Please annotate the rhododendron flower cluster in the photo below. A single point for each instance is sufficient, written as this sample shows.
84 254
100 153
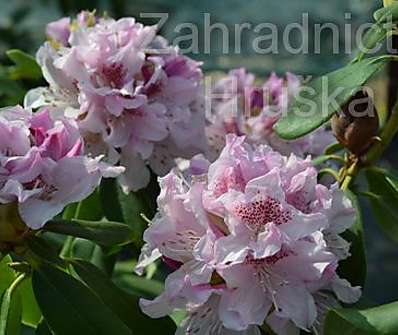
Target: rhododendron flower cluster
135 98
253 239
42 165
240 106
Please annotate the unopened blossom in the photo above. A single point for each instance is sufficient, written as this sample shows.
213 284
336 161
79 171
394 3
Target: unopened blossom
135 98
252 239
42 165
241 106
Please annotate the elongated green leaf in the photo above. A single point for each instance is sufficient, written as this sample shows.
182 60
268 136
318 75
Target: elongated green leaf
31 314
11 310
90 208
333 148
383 197
354 268
380 320
101 232
110 200
124 305
82 249
70 211
25 67
139 286
317 103
129 207
102 257
43 251
67 305
132 207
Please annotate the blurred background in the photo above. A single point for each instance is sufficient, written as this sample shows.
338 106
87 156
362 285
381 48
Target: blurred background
22 26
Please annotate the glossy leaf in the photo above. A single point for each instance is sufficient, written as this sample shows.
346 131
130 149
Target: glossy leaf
31 314
102 257
90 208
102 232
128 208
42 251
354 268
381 320
124 305
82 310
383 196
110 200
312 107
25 67
139 286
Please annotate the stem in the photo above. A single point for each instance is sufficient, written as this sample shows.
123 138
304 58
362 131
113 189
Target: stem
67 247
17 282
65 251
349 176
387 135
329 171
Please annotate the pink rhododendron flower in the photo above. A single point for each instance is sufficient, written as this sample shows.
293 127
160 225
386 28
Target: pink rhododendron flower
135 98
42 165
253 239
240 106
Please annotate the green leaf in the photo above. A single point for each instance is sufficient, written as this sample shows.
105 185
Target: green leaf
354 268
123 305
31 313
67 305
82 249
110 200
319 160
333 148
383 196
102 257
139 286
25 67
380 320
312 107
11 309
128 208
90 208
102 232
42 251
70 211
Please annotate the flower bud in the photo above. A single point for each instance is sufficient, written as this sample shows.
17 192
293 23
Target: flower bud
12 227
357 124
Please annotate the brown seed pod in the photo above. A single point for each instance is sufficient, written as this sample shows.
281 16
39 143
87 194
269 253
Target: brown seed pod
356 125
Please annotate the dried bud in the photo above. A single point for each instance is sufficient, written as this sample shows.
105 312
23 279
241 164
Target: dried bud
356 124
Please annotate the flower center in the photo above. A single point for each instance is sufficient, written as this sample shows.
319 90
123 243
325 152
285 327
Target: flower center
47 190
257 214
114 74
